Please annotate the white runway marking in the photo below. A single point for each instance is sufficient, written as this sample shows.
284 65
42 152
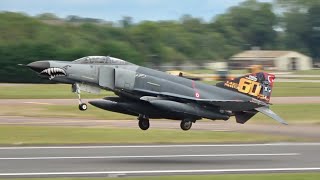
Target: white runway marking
163 171
39 103
160 146
151 156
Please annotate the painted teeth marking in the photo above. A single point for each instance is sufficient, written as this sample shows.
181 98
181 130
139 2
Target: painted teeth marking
53 72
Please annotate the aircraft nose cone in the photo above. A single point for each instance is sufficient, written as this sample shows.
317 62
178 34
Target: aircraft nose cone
39 66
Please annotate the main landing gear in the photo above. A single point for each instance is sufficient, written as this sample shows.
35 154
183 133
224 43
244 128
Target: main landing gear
144 123
76 89
186 124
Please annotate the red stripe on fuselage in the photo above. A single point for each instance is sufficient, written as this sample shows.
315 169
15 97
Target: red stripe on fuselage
196 93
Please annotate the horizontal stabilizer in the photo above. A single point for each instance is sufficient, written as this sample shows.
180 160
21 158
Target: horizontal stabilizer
266 111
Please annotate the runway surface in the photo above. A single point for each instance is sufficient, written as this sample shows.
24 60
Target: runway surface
142 160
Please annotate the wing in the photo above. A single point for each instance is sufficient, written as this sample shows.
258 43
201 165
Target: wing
173 95
238 106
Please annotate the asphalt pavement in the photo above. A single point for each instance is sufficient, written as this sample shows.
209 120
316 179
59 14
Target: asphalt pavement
146 160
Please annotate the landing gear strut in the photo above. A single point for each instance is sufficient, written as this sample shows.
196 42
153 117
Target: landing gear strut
76 89
144 123
186 125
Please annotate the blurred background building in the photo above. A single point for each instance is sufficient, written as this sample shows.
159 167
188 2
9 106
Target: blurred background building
272 60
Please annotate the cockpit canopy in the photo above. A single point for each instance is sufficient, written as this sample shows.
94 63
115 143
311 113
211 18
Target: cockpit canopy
101 60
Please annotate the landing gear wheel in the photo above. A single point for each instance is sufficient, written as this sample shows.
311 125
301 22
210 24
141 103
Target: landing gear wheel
144 124
83 106
76 89
186 125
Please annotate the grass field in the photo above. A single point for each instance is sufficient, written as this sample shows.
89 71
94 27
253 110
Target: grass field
67 111
280 176
62 91
287 89
293 113
301 113
43 91
245 71
308 72
26 135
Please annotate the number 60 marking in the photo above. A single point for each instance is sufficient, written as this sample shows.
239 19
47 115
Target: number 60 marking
249 87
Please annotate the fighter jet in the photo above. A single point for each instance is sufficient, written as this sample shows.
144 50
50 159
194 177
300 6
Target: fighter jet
151 94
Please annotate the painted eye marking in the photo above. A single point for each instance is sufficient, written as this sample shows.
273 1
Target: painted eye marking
53 72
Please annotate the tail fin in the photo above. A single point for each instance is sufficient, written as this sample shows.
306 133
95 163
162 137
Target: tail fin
257 85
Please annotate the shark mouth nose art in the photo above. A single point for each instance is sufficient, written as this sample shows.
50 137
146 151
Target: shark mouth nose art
53 72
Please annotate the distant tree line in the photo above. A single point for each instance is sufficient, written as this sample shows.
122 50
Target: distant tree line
283 25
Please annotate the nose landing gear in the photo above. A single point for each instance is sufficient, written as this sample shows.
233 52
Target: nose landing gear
76 89
83 107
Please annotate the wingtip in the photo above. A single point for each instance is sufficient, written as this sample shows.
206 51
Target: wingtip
268 112
280 120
